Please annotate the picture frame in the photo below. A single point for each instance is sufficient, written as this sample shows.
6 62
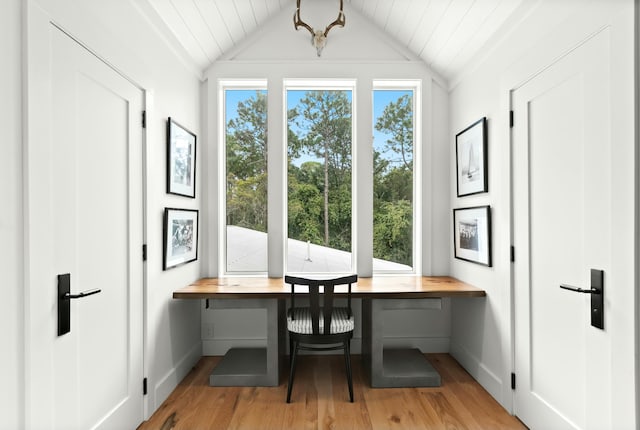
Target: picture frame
180 237
181 160
472 234
471 159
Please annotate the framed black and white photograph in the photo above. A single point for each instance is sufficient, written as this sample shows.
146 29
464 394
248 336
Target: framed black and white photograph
472 234
471 159
180 237
181 160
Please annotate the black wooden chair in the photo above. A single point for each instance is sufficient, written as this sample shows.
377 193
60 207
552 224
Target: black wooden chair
320 326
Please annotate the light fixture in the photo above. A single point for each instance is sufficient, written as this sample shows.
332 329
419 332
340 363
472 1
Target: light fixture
318 37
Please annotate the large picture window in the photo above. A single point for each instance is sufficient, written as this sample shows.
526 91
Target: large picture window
319 180
245 168
334 202
393 180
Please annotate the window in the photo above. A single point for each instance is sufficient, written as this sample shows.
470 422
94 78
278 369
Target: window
393 180
245 174
335 203
319 180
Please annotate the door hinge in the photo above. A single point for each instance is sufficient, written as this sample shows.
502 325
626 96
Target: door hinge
144 387
513 381
513 254
144 119
144 252
510 119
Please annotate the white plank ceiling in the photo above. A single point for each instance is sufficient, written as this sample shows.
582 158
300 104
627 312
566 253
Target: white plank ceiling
445 34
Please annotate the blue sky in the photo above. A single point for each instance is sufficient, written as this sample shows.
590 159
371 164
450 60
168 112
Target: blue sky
381 98
232 97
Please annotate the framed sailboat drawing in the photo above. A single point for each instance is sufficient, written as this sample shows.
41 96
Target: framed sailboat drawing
471 159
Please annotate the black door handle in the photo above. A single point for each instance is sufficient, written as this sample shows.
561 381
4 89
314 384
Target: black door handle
81 295
580 290
597 297
64 302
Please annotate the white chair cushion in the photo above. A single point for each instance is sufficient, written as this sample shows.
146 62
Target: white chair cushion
301 322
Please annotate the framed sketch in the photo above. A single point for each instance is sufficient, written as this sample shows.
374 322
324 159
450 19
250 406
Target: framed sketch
181 160
180 237
471 159
472 234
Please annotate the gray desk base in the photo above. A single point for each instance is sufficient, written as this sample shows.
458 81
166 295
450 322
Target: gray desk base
388 367
253 367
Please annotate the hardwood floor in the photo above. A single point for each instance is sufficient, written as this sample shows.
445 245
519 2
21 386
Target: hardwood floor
320 400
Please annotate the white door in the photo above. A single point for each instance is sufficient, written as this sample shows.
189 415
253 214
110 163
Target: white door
91 227
562 229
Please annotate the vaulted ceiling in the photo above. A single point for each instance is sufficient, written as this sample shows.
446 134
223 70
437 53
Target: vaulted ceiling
445 34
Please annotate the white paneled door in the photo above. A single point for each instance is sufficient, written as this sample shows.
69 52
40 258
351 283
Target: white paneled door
562 230
90 226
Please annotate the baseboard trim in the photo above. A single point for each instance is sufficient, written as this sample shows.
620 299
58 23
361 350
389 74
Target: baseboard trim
170 381
480 372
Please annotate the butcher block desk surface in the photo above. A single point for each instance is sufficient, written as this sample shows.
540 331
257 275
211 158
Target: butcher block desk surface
379 287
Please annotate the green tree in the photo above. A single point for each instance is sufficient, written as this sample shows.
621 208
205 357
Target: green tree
324 117
392 229
305 209
246 158
393 183
397 121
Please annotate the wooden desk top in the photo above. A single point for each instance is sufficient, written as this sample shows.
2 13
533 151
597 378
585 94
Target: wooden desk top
401 287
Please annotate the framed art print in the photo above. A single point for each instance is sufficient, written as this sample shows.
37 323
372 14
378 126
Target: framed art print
472 234
181 160
180 237
471 159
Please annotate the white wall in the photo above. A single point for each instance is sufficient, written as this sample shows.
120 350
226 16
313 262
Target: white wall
123 37
362 52
11 228
482 330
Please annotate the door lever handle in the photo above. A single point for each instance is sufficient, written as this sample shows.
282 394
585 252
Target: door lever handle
597 297
82 294
64 302
580 290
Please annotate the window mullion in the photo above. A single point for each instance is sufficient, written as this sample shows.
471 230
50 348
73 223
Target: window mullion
277 185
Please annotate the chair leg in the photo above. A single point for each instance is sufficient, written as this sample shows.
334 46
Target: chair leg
347 360
292 370
290 350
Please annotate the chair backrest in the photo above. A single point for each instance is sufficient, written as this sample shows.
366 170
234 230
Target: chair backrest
314 297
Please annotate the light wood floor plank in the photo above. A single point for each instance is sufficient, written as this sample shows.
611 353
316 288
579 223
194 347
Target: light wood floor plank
320 400
467 390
